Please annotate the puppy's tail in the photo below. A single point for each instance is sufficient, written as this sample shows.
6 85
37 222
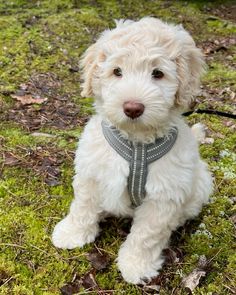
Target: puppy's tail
199 132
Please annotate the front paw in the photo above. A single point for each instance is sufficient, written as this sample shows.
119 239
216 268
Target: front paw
69 235
137 268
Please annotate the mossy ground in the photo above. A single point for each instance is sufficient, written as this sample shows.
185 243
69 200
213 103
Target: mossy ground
38 37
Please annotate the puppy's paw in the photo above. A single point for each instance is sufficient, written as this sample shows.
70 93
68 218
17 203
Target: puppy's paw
68 235
137 269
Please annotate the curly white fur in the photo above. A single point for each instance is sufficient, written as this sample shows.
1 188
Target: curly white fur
179 183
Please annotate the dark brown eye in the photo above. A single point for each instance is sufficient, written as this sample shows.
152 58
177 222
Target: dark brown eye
157 74
117 72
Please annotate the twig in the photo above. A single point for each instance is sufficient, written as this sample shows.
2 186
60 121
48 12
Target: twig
57 255
39 249
233 290
214 256
103 250
40 207
12 245
8 280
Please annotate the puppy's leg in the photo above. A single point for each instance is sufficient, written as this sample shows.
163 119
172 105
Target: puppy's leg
140 255
202 188
80 226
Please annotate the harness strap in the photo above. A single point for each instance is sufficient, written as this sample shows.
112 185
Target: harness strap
138 155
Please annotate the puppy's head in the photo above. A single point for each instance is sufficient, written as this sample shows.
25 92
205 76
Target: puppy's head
141 71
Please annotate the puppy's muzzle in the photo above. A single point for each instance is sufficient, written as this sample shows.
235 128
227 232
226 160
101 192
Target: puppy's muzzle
133 109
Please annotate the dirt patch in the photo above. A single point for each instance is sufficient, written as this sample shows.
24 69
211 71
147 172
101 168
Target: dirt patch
226 11
44 161
39 103
217 45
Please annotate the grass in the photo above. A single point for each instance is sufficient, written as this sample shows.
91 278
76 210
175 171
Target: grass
48 37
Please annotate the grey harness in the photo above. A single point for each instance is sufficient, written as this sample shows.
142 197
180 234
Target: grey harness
138 155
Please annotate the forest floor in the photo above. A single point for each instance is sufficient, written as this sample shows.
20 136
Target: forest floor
41 118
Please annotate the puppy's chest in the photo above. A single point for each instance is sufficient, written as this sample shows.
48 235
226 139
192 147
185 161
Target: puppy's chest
139 155
116 176
162 175
119 179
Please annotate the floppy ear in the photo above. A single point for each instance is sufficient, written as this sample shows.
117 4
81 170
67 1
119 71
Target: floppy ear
89 66
190 67
95 55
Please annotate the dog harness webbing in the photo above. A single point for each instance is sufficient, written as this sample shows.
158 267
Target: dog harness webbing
139 155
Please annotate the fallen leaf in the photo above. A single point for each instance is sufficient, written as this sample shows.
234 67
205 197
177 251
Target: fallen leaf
29 99
98 260
153 286
10 159
70 288
172 255
192 280
89 282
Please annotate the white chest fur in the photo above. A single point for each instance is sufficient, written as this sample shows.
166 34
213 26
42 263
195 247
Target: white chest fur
96 160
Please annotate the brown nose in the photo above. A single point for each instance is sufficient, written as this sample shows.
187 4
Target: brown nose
133 109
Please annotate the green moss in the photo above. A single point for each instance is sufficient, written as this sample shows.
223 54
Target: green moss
15 136
219 73
220 26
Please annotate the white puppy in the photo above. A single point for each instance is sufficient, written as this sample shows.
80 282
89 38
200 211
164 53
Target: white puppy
142 75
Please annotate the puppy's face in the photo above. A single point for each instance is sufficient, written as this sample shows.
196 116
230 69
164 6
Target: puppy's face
137 86
141 71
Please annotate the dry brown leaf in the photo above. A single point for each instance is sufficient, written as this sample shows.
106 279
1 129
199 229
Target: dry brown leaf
89 282
29 99
70 288
98 260
192 280
172 255
10 159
